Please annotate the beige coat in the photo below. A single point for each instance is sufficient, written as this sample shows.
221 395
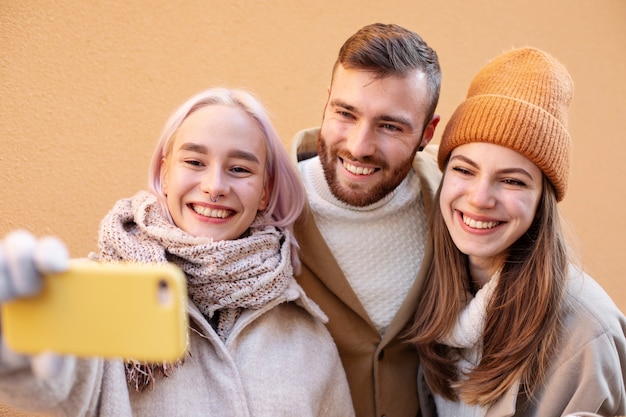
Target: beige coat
588 372
382 372
278 361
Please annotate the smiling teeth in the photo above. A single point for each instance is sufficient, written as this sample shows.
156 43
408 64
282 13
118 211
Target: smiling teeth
357 170
207 212
474 224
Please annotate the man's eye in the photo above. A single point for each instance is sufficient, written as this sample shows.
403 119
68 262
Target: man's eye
345 114
390 127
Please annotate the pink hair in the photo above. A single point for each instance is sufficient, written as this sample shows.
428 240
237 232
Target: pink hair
287 195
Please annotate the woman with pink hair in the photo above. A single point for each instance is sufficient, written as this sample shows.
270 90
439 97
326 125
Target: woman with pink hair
223 197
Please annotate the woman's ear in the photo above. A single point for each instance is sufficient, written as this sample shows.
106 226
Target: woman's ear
265 196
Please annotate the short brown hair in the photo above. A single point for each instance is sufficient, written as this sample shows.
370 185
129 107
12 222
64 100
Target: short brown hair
389 49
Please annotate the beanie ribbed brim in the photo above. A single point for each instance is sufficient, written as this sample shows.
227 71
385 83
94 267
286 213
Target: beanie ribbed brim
516 124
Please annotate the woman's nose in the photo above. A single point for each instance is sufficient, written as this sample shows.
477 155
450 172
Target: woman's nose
214 183
481 194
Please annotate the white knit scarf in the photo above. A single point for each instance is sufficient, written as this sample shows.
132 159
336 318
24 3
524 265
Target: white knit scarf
229 275
467 335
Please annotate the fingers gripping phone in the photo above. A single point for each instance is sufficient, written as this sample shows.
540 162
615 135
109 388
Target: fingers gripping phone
110 310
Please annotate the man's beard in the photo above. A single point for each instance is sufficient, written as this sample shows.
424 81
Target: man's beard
355 195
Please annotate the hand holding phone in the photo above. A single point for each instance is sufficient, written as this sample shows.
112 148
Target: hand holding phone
126 310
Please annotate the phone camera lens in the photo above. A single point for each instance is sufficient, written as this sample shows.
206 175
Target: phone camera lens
164 294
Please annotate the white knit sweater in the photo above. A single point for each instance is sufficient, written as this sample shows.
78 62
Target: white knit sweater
379 247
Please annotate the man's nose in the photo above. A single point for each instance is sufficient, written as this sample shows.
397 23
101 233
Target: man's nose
361 141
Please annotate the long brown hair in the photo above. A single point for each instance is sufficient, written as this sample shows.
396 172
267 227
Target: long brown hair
523 320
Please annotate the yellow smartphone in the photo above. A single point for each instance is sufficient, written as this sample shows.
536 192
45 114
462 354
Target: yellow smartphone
112 310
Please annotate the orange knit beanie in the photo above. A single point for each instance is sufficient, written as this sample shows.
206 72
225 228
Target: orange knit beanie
519 100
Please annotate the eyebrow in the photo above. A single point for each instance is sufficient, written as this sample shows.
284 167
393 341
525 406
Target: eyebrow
502 171
248 156
193 147
382 118
237 153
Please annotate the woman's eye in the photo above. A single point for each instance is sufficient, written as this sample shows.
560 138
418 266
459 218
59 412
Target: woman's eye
513 181
240 170
193 162
461 170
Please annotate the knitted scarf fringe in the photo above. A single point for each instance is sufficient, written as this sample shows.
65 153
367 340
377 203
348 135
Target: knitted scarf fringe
141 376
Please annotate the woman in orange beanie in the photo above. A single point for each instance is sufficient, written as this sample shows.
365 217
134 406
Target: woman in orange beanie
506 324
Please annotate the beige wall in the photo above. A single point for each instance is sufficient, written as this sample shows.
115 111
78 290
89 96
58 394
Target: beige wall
86 87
